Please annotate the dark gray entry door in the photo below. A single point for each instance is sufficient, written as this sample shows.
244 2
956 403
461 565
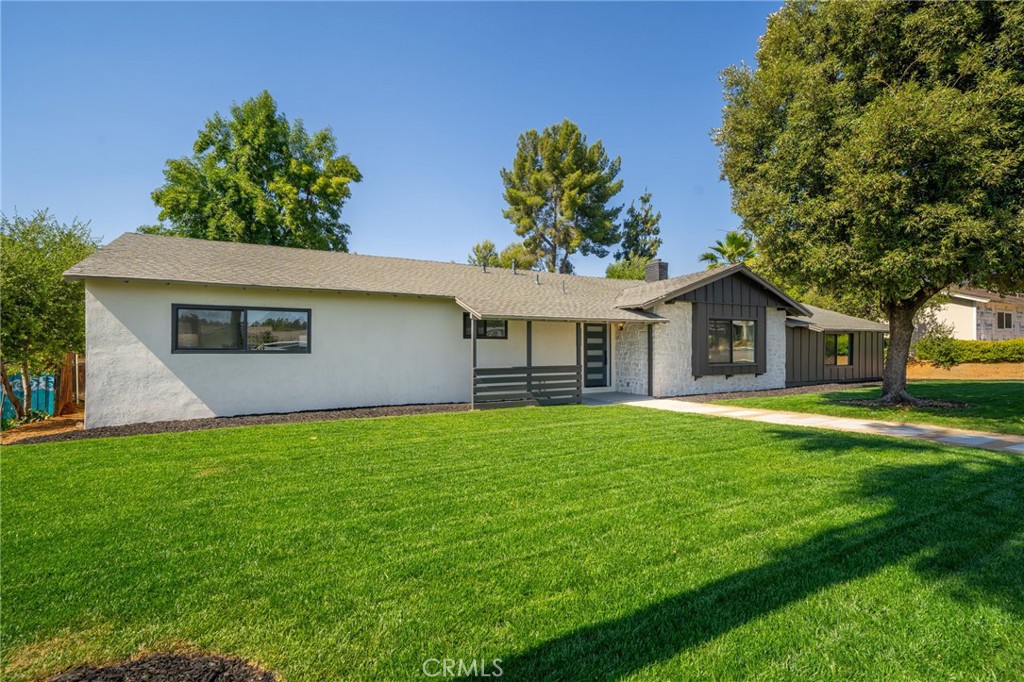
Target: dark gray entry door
595 355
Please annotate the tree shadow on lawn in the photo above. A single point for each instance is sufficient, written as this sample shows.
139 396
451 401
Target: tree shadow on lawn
994 405
958 521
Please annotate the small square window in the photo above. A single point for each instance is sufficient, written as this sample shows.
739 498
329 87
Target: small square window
731 341
485 329
1004 320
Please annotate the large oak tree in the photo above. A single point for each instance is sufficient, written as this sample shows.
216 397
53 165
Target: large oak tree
254 177
878 148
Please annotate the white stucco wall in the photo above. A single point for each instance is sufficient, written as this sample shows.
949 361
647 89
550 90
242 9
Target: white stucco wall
673 356
365 350
961 316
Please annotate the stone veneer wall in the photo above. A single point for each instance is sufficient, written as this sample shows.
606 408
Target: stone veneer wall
631 358
673 356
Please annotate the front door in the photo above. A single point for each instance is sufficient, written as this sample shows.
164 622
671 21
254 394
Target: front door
595 355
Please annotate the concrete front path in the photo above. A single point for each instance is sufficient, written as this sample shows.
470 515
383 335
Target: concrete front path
936 434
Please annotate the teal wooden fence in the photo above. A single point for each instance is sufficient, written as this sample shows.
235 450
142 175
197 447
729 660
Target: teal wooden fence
43 394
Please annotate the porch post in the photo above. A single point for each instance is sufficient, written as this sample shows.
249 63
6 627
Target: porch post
650 360
579 361
529 343
529 356
472 373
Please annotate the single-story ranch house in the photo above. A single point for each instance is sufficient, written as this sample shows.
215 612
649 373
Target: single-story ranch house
183 328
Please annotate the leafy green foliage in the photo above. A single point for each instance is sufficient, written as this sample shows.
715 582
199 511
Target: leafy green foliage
43 314
31 415
738 247
256 178
877 148
640 232
946 352
630 268
558 192
517 253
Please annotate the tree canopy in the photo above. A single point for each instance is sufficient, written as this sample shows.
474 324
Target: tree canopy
517 253
640 231
629 268
878 148
256 178
737 247
43 314
559 191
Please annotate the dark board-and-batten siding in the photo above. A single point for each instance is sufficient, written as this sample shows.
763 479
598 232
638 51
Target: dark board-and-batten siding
735 297
805 358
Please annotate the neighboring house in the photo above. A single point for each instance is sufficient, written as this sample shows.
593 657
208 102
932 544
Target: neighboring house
980 315
182 328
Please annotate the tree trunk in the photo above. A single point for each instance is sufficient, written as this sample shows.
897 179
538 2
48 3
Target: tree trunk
901 329
16 403
26 386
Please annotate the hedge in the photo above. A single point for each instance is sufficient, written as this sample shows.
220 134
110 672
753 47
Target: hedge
949 352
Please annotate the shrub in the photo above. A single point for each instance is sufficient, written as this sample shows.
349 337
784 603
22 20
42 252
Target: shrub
31 416
946 352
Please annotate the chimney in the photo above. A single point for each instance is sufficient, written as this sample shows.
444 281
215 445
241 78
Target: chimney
656 270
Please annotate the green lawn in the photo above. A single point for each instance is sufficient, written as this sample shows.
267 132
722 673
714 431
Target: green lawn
996 406
572 543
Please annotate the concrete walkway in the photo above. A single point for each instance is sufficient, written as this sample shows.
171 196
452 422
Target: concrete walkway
977 439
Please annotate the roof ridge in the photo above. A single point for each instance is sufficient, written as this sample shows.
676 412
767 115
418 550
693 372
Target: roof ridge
298 249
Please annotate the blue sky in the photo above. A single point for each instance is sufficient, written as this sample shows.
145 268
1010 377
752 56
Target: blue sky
427 99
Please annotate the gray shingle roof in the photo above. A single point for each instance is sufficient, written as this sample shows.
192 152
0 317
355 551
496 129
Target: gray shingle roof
831 321
650 293
987 295
496 294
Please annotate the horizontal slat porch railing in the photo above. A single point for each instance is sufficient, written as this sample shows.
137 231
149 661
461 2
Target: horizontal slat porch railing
520 386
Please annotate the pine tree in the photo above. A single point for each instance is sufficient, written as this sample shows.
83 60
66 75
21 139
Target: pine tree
558 192
640 231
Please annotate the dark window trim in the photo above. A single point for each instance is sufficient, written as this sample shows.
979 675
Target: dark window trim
849 350
731 361
467 333
244 309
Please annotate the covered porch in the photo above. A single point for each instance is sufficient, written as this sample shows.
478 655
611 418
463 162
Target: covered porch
521 362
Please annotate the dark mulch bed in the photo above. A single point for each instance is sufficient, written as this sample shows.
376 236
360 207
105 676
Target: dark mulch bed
796 390
169 668
247 420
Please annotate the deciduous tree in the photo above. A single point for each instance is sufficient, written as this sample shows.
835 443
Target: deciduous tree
878 148
256 178
516 253
630 268
43 315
